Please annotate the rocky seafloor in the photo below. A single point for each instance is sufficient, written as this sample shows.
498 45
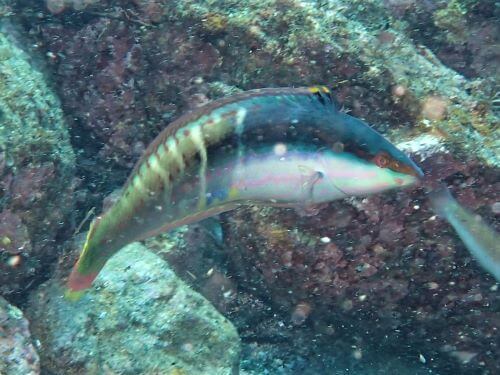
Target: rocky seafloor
367 286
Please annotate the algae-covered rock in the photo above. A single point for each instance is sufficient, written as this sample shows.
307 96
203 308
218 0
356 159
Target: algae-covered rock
36 169
17 354
138 319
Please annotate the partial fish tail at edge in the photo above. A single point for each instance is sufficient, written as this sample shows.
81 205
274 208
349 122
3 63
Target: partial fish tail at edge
482 241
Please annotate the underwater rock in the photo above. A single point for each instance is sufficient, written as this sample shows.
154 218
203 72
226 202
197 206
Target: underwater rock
196 254
17 354
463 34
139 318
36 170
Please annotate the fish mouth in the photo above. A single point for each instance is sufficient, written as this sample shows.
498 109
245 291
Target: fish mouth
417 173
409 168
410 174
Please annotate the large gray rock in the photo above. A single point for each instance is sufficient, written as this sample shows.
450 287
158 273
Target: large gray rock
139 318
36 168
17 354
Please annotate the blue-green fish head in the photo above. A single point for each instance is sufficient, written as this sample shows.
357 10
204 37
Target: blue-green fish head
365 162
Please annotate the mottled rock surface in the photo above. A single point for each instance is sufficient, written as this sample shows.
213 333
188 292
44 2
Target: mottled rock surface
17 354
464 34
139 318
36 169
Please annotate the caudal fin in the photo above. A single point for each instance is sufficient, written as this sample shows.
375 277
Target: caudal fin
85 269
78 281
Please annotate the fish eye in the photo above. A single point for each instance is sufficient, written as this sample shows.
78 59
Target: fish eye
382 160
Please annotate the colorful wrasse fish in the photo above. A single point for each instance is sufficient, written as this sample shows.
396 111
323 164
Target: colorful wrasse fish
288 147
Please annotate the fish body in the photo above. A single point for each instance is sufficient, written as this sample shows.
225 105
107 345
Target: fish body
288 147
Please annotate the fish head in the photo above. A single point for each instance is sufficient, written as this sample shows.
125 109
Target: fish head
367 163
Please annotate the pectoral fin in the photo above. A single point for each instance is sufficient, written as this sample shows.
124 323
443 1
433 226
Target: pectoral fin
310 177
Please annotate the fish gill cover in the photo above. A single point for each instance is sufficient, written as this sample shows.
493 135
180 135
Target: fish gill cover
374 285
